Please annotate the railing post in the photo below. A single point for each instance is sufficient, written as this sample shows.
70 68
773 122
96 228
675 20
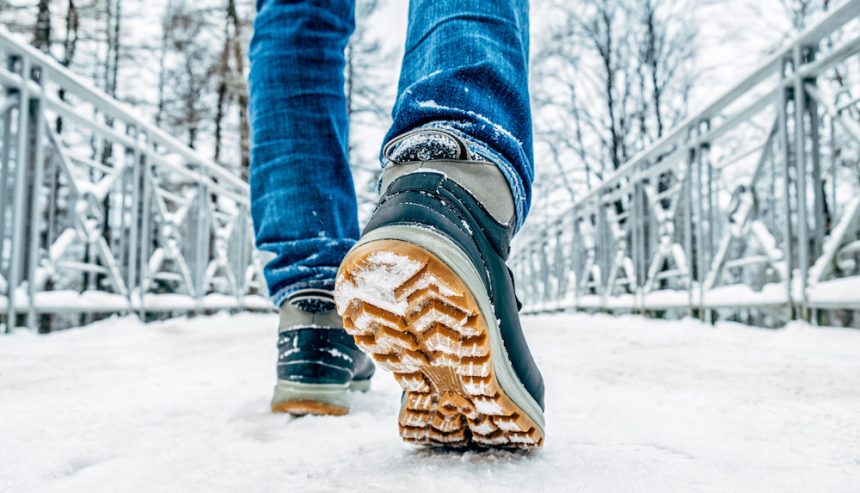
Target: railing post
37 130
577 247
242 259
544 270
5 164
785 99
537 295
687 191
204 238
134 231
636 227
561 265
601 249
821 229
529 283
19 199
800 99
713 226
145 225
702 260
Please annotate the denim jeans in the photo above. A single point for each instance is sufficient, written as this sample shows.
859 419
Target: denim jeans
464 68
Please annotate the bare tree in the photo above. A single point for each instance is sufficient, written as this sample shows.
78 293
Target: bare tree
800 12
70 42
162 62
666 54
113 20
231 86
42 30
611 77
188 71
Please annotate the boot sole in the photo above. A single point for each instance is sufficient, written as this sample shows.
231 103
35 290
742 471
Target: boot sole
300 399
417 318
303 408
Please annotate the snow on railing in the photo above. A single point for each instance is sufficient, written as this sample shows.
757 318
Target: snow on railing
749 203
103 212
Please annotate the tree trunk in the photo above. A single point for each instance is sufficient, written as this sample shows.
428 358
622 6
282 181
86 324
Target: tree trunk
241 87
223 75
42 30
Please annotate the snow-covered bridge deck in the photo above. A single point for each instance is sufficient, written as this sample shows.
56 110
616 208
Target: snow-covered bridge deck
633 404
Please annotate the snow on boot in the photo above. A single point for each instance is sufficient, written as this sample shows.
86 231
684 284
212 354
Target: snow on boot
427 293
318 362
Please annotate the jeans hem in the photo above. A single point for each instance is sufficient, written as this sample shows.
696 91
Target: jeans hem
282 294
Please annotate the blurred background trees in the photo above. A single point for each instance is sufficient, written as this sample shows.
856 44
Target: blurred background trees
608 77
611 76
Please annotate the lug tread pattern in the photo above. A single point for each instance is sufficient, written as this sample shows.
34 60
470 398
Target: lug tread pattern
432 336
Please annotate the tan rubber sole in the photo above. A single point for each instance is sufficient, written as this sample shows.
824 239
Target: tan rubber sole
301 408
417 318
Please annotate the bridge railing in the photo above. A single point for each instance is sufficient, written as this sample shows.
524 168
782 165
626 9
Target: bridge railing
103 212
754 202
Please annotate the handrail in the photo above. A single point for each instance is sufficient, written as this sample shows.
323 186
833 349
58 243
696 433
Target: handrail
678 228
109 213
70 80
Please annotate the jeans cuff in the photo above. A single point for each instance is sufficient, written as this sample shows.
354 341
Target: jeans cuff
282 294
479 147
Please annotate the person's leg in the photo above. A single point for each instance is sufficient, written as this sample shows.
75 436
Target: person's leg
426 290
466 68
302 196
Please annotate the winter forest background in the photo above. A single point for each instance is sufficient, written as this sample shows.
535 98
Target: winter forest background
607 76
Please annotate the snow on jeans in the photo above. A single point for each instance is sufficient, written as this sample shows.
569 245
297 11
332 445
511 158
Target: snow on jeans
464 68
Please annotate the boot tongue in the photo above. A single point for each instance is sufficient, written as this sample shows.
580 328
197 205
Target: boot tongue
312 301
426 146
311 305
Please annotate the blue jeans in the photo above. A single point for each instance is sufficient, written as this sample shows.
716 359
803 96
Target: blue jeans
464 68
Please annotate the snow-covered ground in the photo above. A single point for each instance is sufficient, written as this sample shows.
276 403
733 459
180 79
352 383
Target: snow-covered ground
632 405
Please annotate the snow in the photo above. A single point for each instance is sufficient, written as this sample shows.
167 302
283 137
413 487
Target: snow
377 285
835 241
835 293
632 404
737 295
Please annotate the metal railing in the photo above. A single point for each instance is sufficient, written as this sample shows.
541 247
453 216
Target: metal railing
102 212
754 202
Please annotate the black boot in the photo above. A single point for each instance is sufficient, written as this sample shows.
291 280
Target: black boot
318 362
427 293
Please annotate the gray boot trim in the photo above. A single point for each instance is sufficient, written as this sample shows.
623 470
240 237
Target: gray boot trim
484 180
292 317
331 394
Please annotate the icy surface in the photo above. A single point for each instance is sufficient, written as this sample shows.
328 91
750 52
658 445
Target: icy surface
631 405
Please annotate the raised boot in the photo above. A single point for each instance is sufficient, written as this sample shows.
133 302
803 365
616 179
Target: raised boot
427 294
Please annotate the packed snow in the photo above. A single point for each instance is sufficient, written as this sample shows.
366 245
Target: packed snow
378 284
632 404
